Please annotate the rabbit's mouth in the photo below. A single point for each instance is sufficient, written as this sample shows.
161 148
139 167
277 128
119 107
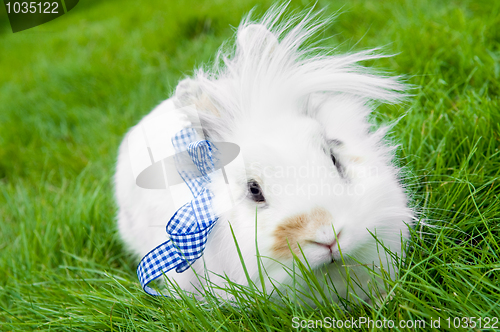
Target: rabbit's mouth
332 245
327 252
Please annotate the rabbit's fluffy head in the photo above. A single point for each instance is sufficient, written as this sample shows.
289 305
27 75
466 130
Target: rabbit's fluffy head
318 178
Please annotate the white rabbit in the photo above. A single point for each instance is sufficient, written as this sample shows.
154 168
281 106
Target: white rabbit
316 180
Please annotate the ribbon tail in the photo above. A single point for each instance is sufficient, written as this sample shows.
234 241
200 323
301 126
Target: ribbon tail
158 261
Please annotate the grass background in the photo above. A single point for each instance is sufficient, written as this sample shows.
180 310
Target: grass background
70 89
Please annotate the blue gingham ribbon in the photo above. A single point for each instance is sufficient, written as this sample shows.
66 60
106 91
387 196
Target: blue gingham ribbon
190 225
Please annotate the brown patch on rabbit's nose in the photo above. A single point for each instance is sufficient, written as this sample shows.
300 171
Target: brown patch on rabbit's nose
298 229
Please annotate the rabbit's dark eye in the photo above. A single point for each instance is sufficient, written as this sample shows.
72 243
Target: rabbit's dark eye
334 160
337 164
255 192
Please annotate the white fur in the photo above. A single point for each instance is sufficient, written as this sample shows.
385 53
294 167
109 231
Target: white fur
281 103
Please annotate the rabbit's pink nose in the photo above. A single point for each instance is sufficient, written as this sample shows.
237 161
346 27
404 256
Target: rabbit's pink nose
329 245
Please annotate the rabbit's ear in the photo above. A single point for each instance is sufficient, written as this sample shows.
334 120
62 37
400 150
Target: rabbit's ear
256 38
205 113
312 103
188 92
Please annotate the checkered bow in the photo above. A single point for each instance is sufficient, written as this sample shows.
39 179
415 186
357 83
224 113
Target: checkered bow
190 225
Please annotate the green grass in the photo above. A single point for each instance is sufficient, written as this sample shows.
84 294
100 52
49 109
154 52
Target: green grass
69 90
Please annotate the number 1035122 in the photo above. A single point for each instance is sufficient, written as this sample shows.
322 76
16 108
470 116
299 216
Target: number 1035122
32 7
473 322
